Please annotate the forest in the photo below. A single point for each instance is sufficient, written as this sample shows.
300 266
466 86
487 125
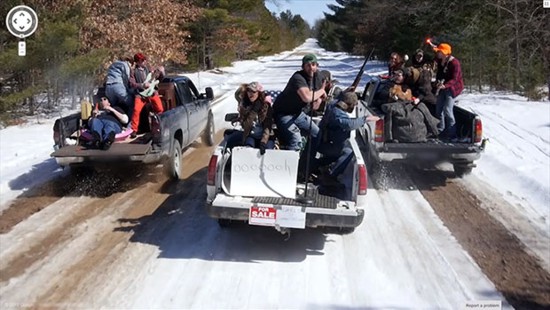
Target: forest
76 41
502 44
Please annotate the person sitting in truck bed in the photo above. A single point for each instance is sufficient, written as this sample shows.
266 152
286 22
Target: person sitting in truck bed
256 118
420 82
105 123
399 90
331 89
240 93
139 83
396 62
391 90
335 128
303 87
407 119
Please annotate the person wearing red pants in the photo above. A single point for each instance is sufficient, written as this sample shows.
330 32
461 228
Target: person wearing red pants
140 83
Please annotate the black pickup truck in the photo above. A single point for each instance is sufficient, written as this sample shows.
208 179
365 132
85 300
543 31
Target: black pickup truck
187 116
380 147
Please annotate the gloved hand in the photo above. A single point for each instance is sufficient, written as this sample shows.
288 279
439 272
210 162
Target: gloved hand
262 148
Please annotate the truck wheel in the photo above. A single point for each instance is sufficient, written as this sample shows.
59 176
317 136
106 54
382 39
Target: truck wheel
224 223
208 133
462 170
173 165
81 171
346 230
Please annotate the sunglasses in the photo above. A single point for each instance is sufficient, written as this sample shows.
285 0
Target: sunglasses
104 98
251 91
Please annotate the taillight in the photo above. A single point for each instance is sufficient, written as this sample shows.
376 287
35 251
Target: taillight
155 129
57 138
478 127
57 133
211 177
362 179
379 131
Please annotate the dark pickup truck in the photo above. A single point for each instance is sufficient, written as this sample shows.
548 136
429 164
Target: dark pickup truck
380 147
187 116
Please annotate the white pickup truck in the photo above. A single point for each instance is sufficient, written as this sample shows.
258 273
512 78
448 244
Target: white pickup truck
243 185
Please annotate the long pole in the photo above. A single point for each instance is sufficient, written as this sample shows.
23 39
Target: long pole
305 199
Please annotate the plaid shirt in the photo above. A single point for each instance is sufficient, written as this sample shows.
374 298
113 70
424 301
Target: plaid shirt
452 75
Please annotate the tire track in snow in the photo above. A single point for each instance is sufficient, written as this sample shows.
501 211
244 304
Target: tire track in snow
502 257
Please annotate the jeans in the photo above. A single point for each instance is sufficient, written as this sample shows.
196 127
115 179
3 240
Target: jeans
289 127
103 127
236 139
339 156
121 96
444 112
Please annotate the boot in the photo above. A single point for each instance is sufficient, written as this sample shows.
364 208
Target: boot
109 141
96 140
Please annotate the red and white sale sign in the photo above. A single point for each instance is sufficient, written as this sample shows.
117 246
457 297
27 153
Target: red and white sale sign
262 215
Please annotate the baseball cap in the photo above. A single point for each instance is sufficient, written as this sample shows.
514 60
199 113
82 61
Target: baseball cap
309 58
443 48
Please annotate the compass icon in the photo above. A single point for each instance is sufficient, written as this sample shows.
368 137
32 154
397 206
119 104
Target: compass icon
22 21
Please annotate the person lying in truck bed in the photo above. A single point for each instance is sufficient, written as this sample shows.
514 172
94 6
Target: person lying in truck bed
105 123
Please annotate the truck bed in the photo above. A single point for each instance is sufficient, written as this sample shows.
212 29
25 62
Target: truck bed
461 152
319 200
118 152
330 204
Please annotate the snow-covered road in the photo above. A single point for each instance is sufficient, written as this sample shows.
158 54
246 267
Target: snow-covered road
147 243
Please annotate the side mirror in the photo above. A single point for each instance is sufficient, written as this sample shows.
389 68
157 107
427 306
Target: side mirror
209 93
231 117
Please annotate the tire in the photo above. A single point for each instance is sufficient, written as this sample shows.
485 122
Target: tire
462 170
207 137
173 167
81 171
224 223
346 230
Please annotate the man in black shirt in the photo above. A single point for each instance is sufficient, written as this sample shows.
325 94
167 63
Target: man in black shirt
304 87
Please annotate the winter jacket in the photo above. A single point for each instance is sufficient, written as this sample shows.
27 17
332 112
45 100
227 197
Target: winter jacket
256 118
118 73
451 73
336 126
422 87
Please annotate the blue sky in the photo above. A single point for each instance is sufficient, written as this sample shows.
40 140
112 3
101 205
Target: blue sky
310 10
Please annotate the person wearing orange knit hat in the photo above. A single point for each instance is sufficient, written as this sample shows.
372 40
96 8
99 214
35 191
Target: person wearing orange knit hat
450 85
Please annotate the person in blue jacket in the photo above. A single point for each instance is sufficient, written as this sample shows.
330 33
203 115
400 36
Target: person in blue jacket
117 85
335 128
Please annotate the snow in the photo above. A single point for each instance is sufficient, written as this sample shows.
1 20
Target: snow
516 164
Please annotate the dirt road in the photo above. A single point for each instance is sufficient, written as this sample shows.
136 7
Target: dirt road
118 238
